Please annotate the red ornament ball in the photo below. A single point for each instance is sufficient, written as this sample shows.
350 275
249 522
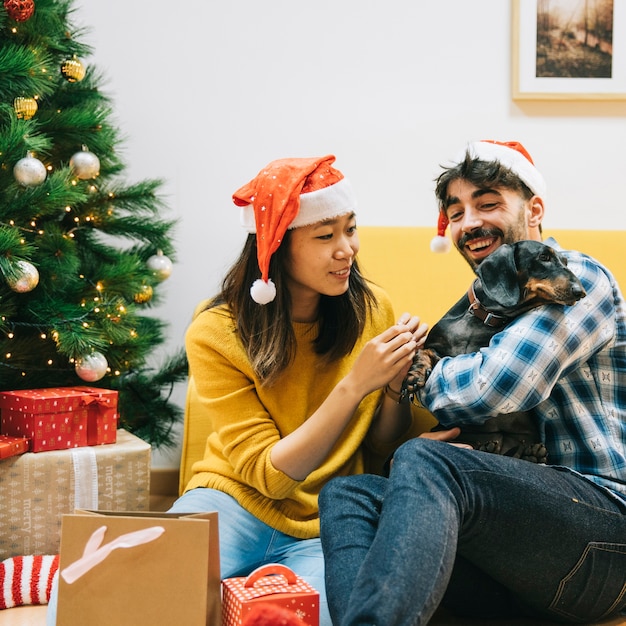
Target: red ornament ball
19 10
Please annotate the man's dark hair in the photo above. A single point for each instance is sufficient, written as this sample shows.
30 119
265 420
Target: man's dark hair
483 174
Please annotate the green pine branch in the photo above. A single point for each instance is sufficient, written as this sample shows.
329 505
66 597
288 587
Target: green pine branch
89 240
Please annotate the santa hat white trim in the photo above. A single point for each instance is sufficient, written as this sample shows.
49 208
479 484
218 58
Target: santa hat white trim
315 206
511 158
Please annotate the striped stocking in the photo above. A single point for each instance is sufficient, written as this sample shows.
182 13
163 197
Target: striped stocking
27 580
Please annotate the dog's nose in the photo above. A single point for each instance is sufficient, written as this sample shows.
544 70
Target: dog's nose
578 291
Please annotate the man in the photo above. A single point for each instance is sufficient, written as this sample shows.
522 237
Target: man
483 534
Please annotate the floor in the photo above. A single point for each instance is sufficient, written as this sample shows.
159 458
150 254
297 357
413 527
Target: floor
163 491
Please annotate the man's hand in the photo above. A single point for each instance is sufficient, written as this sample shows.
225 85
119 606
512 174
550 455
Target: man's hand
447 435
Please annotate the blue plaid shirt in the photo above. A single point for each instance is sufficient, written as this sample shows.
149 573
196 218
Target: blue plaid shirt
566 363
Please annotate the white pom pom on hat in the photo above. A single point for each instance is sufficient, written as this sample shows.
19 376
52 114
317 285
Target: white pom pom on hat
440 244
286 194
263 292
511 154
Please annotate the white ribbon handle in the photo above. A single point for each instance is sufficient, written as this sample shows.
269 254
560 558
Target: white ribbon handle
94 553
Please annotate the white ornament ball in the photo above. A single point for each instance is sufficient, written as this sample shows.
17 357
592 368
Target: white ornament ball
27 278
85 164
91 367
160 265
29 171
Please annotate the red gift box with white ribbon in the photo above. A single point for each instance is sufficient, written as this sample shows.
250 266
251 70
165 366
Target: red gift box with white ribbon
58 418
275 584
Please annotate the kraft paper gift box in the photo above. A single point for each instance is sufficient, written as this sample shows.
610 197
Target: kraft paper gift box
273 583
58 418
134 569
37 489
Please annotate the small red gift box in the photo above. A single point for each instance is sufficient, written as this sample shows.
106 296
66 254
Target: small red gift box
58 418
12 446
271 583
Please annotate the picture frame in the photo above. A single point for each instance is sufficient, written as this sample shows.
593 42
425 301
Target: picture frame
568 49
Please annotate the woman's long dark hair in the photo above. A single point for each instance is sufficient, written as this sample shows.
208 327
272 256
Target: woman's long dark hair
266 330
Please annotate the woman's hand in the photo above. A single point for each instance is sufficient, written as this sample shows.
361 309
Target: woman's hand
387 357
419 331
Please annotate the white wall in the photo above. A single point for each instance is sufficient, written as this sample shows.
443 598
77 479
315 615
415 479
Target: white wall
208 92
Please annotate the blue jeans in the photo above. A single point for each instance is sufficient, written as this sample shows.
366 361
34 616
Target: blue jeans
482 534
247 543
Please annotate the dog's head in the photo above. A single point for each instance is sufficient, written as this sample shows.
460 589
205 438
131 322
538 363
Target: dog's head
527 272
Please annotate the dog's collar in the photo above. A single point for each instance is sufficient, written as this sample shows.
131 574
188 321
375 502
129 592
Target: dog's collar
476 308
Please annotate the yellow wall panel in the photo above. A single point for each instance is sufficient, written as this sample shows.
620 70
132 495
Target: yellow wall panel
427 284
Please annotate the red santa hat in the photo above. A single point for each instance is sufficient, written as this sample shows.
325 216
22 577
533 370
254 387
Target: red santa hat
511 154
286 194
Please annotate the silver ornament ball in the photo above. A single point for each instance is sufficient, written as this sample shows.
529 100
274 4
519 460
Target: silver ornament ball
27 277
91 367
85 164
29 171
160 265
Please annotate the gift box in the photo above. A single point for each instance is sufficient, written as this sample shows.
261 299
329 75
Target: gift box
12 446
271 583
58 418
37 489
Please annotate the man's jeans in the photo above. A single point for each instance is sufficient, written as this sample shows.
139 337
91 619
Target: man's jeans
481 534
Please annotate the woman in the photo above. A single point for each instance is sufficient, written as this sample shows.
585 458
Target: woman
292 371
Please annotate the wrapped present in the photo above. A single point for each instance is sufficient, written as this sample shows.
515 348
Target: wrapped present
58 418
11 446
37 489
271 583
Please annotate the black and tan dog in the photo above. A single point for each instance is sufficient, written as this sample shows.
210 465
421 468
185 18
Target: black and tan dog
512 280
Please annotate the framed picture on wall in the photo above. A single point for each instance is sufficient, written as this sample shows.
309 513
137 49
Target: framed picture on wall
569 49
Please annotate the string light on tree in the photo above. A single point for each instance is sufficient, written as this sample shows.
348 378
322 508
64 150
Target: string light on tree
25 278
160 265
87 233
19 10
91 367
30 171
85 164
25 108
73 70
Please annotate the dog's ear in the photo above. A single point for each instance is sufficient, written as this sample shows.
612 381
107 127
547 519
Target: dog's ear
498 275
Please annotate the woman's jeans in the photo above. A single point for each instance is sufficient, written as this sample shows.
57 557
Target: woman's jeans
482 534
247 543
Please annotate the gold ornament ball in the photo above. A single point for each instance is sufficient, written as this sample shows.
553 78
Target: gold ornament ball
85 164
25 108
27 277
91 367
30 171
73 70
160 265
143 296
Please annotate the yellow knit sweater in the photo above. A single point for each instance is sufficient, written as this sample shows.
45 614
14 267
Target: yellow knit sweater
247 418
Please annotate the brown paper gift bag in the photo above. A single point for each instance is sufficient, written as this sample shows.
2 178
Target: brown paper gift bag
136 569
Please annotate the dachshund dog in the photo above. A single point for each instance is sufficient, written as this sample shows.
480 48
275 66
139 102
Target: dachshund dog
512 280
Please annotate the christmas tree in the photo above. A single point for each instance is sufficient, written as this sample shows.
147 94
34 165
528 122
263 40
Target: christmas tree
82 253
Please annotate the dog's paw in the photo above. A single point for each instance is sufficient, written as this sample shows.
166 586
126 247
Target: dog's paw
420 370
535 453
418 373
493 446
